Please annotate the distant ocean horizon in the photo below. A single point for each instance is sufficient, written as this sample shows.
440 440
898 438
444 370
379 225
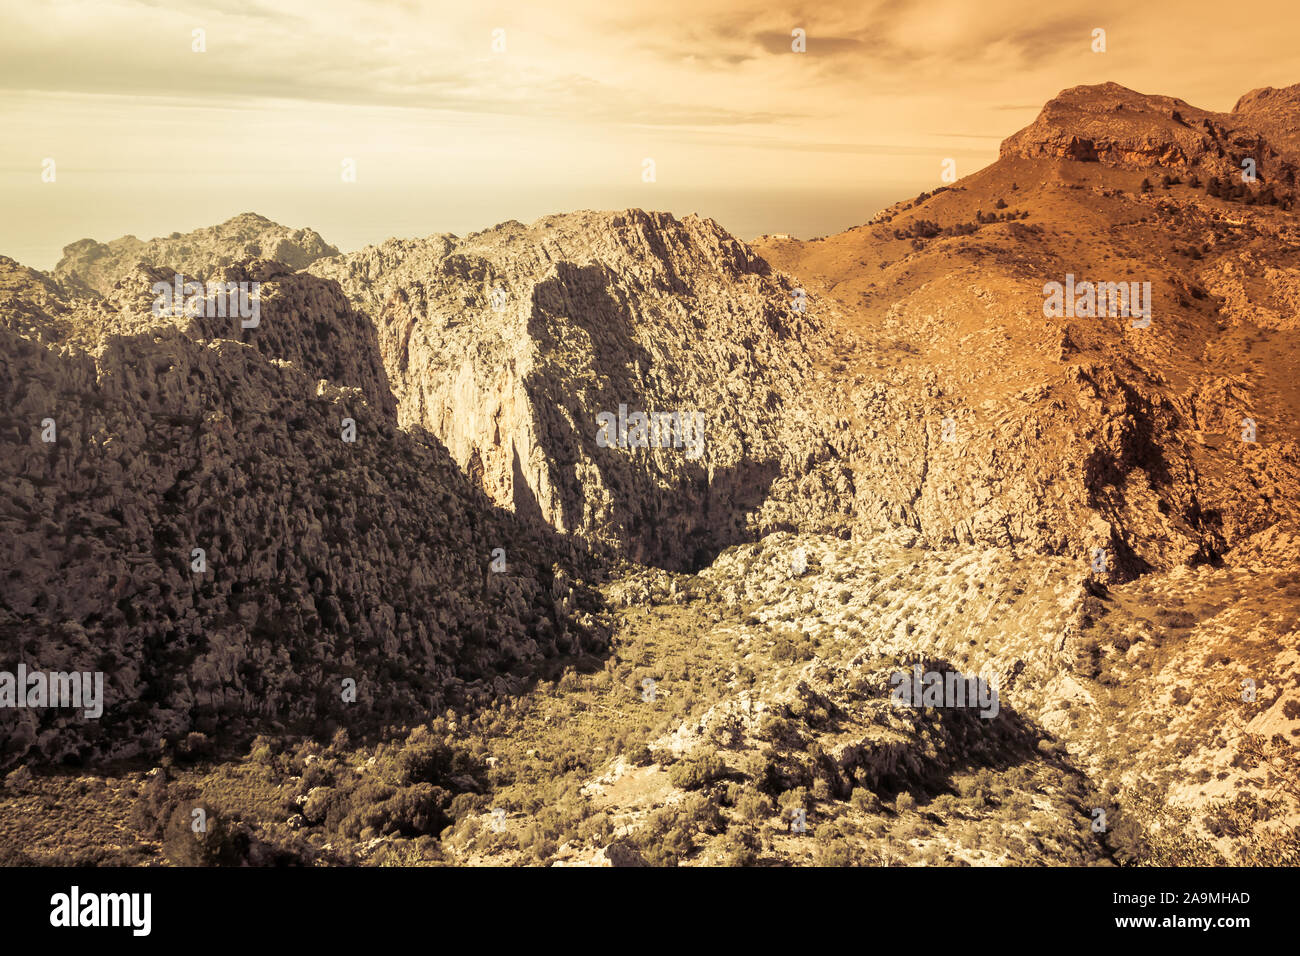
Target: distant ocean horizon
354 218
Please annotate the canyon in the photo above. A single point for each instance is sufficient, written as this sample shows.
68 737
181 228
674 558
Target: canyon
905 463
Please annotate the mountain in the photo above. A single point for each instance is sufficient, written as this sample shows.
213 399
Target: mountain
596 312
95 265
1075 433
1272 112
1113 125
908 462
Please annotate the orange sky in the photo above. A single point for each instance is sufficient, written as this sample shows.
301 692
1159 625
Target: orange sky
448 134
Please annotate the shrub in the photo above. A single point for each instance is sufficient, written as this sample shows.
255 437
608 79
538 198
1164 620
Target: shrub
1175 618
641 756
596 829
741 846
795 799
697 772
753 805
424 759
195 746
222 843
865 800
832 847
665 839
535 841
779 730
154 806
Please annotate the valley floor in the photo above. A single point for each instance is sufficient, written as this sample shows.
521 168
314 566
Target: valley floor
744 716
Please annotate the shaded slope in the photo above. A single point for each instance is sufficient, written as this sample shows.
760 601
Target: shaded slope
325 560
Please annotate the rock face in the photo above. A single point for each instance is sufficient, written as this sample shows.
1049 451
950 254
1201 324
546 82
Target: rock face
323 560
1112 124
509 343
1067 433
299 319
1273 112
199 254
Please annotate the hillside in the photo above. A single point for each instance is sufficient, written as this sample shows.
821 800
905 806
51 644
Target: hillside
1074 433
324 559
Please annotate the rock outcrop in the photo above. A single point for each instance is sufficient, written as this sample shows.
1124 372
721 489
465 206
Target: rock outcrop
1273 112
1111 124
87 264
509 343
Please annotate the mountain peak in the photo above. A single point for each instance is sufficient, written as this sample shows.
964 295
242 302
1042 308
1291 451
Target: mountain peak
1113 125
199 253
1269 97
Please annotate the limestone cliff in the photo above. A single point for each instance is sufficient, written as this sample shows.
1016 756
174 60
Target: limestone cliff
508 344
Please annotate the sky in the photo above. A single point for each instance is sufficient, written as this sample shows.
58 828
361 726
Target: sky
457 116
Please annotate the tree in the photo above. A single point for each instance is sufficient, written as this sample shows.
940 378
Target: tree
218 843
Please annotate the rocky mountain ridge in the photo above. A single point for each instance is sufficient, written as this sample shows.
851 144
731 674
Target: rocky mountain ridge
1117 126
595 312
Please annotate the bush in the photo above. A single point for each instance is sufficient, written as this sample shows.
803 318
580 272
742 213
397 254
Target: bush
791 800
409 811
697 772
741 846
778 730
665 839
424 759
864 800
154 806
222 843
195 746
596 829
669 835
832 847
1175 618
263 751
753 805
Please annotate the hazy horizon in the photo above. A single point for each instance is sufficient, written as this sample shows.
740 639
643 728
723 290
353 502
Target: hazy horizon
371 218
